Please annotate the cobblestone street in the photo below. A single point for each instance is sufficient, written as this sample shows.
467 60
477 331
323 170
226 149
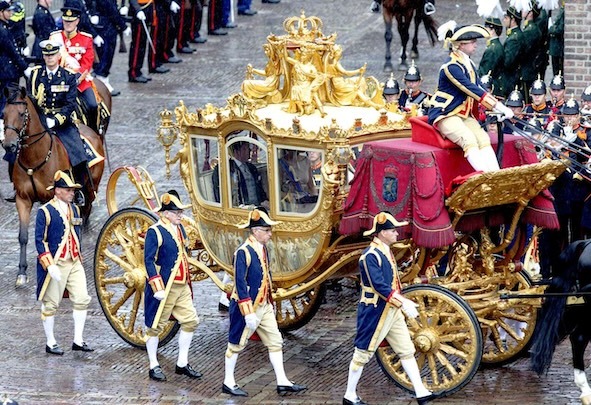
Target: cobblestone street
316 355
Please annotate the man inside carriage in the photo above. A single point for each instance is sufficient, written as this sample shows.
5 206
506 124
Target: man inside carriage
52 89
77 55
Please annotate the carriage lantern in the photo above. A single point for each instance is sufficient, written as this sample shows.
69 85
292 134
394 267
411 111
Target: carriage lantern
167 134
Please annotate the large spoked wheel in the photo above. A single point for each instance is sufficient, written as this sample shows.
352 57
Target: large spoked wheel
120 275
515 322
447 338
293 313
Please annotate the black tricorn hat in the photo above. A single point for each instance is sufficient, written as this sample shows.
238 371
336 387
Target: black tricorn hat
384 220
258 217
171 201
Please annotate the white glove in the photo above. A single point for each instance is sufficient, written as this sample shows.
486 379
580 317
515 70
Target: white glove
251 321
1 130
26 51
506 112
98 41
569 134
550 22
50 122
159 295
94 19
54 272
127 31
174 7
27 72
409 308
141 16
375 7
123 10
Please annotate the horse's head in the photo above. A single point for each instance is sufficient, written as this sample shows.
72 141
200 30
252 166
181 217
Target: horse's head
16 117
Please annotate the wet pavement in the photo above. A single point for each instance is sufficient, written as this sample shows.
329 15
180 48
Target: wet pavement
316 355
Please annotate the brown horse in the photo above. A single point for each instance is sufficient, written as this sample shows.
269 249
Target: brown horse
40 155
404 11
102 95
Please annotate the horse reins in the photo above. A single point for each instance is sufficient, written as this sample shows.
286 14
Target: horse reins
22 137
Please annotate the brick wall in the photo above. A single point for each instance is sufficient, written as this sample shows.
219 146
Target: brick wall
577 46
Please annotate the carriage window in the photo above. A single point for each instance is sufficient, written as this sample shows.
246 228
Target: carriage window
206 158
247 182
299 179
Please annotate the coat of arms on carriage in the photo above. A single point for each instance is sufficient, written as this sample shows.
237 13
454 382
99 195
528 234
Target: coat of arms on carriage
390 184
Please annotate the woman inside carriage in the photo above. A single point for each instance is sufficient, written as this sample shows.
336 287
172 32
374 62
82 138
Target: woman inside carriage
454 106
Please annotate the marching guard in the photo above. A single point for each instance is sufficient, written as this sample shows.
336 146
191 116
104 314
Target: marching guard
168 290
59 263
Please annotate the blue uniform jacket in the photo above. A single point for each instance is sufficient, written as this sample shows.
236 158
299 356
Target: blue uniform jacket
52 230
379 281
12 64
252 280
43 25
163 254
457 90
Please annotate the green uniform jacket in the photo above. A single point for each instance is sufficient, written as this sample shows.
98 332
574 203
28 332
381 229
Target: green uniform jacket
512 62
542 56
493 61
531 36
556 35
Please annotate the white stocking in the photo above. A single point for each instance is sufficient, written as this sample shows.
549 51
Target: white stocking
352 381
48 327
581 381
230 365
476 160
277 363
489 158
184 344
224 296
152 349
79 321
411 368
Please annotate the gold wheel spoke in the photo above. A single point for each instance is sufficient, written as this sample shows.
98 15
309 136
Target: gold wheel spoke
125 266
433 368
454 351
134 310
114 280
121 301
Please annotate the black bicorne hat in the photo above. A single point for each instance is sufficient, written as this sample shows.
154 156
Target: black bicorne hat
171 201
258 217
383 221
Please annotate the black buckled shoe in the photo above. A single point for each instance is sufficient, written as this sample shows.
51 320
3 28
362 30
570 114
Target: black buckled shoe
428 398
139 79
81 348
174 59
115 93
147 78
284 389
55 349
186 49
236 391
198 40
156 374
271 1
223 307
358 401
188 371
160 69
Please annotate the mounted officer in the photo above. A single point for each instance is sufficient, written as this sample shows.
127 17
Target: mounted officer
53 90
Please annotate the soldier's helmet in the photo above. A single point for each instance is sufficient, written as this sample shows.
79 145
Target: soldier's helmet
515 99
586 94
391 87
5 5
538 87
557 82
571 107
487 82
412 74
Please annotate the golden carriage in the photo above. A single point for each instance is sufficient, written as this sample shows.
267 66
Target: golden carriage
306 104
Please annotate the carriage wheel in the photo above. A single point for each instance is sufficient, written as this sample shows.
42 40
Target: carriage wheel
135 189
293 313
515 320
120 275
447 338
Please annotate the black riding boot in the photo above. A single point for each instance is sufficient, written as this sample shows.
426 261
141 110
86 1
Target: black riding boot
81 176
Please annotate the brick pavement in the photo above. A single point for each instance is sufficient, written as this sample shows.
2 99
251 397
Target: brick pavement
316 355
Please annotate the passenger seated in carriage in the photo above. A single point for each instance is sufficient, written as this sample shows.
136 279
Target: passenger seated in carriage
298 190
412 95
454 105
246 181
391 94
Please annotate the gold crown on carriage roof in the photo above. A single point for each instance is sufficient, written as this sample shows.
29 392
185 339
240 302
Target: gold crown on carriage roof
304 28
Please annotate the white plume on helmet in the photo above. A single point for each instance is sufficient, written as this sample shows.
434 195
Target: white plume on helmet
489 8
521 5
548 4
445 28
